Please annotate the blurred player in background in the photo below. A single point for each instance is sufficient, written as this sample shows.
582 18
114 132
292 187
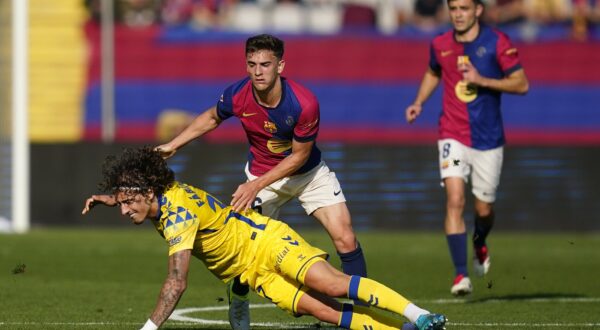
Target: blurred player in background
263 253
476 63
281 120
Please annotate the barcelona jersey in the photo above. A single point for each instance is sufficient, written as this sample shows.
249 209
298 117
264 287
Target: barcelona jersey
270 131
471 115
191 219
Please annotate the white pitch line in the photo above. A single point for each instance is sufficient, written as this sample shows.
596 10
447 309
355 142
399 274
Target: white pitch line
496 300
178 315
522 324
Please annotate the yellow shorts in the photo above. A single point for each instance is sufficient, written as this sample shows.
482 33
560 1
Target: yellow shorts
280 266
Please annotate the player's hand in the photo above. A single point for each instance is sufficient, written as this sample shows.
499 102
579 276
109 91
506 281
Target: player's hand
470 74
108 200
244 196
165 150
412 112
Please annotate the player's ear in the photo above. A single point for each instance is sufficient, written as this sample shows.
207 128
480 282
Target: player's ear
150 195
280 66
478 9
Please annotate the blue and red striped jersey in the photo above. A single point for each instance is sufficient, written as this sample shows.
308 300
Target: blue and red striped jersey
469 114
270 131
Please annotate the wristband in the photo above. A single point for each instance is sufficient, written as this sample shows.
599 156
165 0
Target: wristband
149 325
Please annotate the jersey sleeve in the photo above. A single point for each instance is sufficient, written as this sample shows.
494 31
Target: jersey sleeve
433 62
308 122
225 104
181 227
507 55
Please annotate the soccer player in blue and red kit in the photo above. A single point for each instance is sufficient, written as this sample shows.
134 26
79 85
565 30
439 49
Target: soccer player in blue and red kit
281 120
476 64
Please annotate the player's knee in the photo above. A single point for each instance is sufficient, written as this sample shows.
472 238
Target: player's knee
456 203
335 290
345 242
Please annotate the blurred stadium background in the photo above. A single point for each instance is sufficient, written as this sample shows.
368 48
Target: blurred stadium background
136 75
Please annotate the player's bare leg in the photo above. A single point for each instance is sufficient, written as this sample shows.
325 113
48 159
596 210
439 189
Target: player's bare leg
456 234
337 222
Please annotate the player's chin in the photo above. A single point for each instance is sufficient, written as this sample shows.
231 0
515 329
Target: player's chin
137 221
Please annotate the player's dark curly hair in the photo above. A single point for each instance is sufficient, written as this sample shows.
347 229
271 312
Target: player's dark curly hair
265 42
136 169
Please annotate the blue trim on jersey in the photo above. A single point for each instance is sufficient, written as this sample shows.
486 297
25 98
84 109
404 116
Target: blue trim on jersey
346 319
162 200
305 138
353 287
225 107
242 218
513 69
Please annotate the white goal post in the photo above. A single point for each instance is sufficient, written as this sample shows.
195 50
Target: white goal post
16 148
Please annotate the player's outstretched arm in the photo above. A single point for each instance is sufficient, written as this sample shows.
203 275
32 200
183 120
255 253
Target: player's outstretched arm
245 193
202 124
428 84
108 200
172 289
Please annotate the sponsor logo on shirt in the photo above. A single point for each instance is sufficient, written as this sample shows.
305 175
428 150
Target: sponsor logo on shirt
278 146
445 53
311 124
175 240
245 114
465 92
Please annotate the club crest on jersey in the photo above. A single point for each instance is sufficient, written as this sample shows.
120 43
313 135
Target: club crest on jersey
481 51
270 127
289 121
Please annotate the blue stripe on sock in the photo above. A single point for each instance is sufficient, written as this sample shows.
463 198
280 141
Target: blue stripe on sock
346 316
353 288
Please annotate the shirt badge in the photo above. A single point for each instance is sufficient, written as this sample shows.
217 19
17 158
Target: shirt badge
270 127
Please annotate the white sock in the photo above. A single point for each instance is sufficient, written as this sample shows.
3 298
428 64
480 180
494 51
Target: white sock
412 312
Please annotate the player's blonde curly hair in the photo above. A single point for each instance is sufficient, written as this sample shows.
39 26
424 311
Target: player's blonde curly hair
141 170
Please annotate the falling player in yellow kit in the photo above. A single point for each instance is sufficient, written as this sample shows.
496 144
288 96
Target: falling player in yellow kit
265 253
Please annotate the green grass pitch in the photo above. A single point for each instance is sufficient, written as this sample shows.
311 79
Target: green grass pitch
110 279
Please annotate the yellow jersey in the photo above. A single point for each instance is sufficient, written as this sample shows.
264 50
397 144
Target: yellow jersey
226 241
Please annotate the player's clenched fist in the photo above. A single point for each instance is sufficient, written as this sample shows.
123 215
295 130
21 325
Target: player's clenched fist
165 150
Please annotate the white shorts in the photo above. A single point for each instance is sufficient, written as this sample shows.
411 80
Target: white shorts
316 188
482 166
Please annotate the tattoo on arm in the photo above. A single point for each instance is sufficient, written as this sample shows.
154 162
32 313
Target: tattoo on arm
173 287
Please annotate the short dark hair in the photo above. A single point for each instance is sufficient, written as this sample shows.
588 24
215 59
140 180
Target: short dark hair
265 42
136 170
477 2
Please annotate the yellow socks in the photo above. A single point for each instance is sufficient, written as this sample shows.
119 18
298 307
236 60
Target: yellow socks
364 318
380 296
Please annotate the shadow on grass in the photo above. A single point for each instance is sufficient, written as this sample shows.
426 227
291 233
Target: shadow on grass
527 297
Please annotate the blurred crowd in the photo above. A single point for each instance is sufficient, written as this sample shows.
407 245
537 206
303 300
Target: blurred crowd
332 16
